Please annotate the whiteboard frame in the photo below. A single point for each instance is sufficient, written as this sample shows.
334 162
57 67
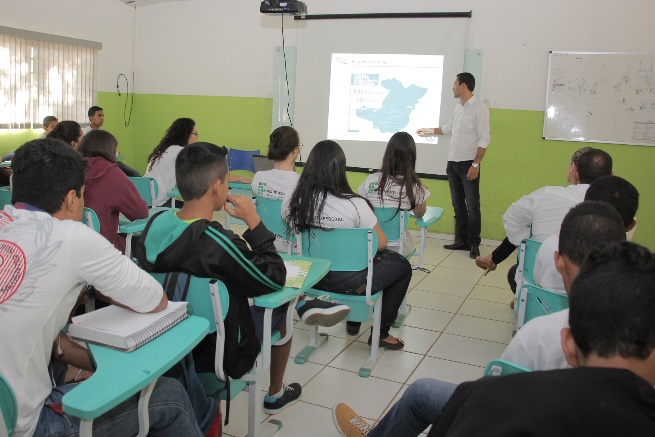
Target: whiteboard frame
550 57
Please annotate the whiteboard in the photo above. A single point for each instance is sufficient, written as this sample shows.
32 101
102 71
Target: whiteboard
601 97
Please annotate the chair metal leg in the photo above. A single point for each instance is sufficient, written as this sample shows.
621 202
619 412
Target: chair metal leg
376 350
128 245
255 401
403 312
316 340
144 417
86 428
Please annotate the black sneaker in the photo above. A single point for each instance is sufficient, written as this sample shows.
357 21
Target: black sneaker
290 396
321 311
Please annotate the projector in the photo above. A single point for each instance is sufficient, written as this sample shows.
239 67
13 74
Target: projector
291 7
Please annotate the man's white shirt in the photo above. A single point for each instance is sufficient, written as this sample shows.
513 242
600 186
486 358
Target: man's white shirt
469 127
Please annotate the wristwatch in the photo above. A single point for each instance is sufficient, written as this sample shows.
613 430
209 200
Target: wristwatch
474 165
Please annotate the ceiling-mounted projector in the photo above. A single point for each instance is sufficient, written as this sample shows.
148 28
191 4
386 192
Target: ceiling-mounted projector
291 7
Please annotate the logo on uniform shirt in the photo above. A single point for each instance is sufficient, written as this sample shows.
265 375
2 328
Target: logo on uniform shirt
12 269
372 187
261 188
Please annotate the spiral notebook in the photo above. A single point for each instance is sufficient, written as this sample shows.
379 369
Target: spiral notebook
123 329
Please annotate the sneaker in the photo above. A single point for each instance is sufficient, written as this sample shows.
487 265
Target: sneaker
321 311
348 423
290 396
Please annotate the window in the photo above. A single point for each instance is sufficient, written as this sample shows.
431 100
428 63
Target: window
42 75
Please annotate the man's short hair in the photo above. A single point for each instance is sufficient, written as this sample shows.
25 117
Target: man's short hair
619 193
466 79
48 119
93 110
44 172
594 164
578 153
587 226
612 303
197 167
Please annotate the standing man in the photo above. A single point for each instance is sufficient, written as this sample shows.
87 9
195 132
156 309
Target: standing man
96 119
469 127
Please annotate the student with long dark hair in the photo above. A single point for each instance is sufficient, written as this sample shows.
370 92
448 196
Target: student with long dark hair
67 131
323 199
107 190
397 184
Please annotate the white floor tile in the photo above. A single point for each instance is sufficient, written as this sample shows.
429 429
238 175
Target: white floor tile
443 286
448 371
455 275
487 310
368 396
326 353
466 350
435 301
499 281
416 340
428 319
483 329
305 419
492 294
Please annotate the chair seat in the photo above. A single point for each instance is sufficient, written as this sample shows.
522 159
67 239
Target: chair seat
359 310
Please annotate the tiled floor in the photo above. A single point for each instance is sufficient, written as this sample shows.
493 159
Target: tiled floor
459 321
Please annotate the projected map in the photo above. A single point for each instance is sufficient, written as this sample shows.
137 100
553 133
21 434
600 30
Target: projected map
374 96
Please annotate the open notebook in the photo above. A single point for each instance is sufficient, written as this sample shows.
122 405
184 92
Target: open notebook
124 329
297 271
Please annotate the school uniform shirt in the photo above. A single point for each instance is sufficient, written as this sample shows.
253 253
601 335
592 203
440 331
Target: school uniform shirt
537 346
544 209
274 184
393 192
545 273
340 213
469 127
86 130
163 171
46 261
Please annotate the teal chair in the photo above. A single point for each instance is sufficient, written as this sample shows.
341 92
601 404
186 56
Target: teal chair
90 218
269 211
394 225
527 257
147 188
502 367
239 189
535 301
5 197
348 250
209 299
8 409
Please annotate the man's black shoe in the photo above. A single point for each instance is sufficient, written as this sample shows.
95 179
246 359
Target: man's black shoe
475 251
457 245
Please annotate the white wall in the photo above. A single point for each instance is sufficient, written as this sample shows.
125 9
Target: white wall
107 21
216 47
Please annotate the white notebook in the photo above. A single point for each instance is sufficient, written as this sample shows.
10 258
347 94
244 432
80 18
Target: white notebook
124 329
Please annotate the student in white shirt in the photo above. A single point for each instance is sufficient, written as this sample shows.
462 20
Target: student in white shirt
161 162
49 254
397 185
323 199
588 226
616 191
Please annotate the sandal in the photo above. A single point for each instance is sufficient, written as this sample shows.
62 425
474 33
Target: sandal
388 345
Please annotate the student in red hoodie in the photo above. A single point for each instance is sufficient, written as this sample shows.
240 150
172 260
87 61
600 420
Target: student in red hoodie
107 190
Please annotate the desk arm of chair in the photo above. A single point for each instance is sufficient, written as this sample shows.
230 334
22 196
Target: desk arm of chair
277 298
432 215
132 227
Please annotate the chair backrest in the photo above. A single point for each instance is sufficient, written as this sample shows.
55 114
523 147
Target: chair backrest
90 218
269 210
348 249
392 222
535 301
147 188
527 257
5 198
8 408
502 367
241 159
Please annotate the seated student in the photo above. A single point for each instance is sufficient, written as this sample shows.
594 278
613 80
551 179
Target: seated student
283 149
397 185
49 123
589 225
52 255
616 191
506 248
108 191
182 241
611 340
67 131
611 344
323 199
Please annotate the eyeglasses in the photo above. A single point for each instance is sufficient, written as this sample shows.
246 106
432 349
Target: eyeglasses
300 146
196 134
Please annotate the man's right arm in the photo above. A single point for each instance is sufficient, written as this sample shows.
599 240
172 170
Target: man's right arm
519 216
96 261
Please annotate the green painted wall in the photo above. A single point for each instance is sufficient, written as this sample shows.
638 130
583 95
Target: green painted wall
518 161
